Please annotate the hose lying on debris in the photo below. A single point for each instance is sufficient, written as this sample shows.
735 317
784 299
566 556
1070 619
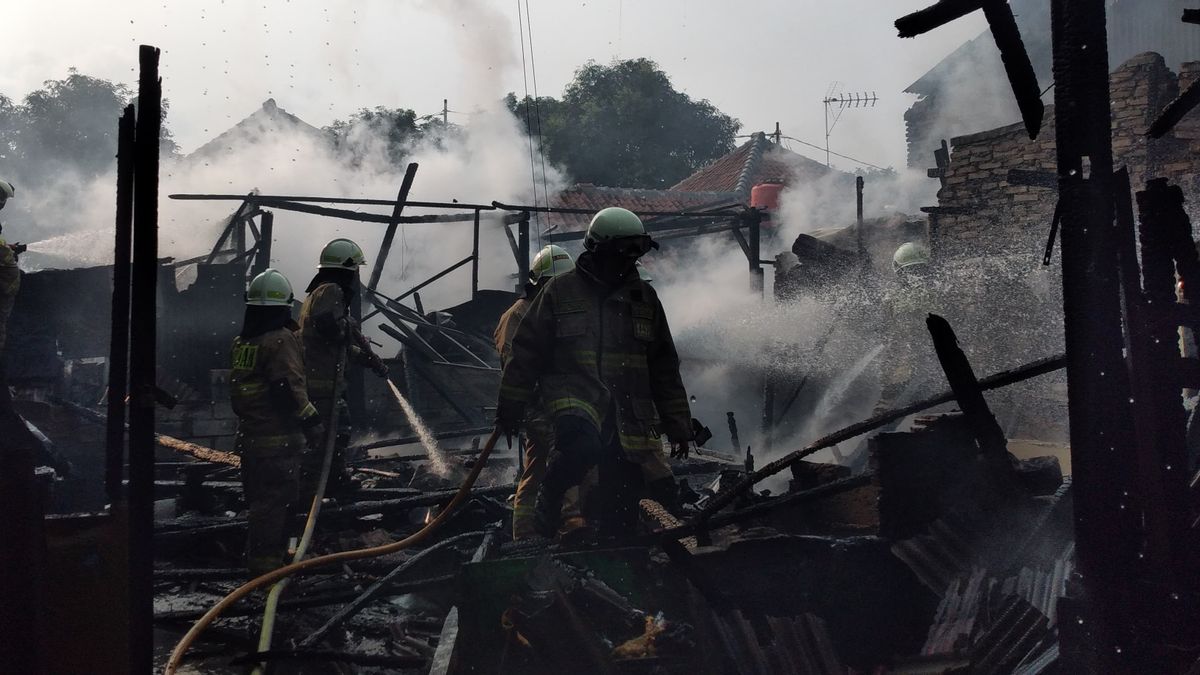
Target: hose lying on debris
310 524
321 561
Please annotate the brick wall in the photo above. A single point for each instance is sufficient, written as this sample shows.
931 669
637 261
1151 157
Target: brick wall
983 214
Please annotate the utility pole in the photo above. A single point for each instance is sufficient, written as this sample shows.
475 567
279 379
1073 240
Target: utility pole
778 135
445 113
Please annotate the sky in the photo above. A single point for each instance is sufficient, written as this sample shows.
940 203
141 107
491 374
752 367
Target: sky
761 61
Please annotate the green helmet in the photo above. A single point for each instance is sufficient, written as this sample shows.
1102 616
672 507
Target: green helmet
613 223
270 289
908 255
341 254
551 261
7 191
643 273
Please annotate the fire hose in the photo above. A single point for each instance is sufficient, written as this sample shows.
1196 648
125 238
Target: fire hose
310 525
321 561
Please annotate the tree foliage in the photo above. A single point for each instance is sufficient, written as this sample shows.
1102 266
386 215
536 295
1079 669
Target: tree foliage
399 129
67 126
625 125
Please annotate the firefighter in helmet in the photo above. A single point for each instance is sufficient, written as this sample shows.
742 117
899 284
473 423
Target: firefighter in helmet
596 348
331 339
550 262
10 275
904 370
276 420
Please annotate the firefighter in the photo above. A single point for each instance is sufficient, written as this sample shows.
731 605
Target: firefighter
539 435
904 371
596 347
10 275
331 337
276 420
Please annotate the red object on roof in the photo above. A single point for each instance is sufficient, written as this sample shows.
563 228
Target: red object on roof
766 196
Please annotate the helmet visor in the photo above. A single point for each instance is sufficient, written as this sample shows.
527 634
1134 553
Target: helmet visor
631 247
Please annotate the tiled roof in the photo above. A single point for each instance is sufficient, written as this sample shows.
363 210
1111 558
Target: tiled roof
593 198
758 160
268 120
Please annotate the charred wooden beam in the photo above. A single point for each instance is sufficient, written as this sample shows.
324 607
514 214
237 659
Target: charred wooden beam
1016 63
763 508
1008 40
1098 380
386 246
935 16
346 511
965 386
1166 244
435 277
522 251
262 250
142 363
390 662
1002 379
118 359
1175 111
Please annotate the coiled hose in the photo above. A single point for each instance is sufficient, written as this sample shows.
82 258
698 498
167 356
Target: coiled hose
322 561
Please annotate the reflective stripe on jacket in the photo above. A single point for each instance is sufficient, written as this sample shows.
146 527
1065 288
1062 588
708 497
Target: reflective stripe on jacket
591 349
258 362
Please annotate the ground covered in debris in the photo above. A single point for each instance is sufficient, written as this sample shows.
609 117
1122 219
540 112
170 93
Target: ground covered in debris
915 568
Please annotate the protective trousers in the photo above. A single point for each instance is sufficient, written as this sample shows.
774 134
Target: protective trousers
271 487
612 506
539 446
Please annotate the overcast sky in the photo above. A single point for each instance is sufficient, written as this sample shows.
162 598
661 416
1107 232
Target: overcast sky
761 61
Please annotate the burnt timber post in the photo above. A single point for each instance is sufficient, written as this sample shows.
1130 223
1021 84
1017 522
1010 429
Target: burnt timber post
475 257
1099 389
262 257
858 193
522 251
386 246
142 351
118 359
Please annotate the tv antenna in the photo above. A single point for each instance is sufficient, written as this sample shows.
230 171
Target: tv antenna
839 101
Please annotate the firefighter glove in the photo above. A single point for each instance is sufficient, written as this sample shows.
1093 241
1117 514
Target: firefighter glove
680 449
378 366
509 415
314 436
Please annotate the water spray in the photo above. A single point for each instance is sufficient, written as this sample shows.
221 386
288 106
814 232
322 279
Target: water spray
437 459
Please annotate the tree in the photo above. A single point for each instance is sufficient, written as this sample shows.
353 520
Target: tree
69 126
396 127
625 125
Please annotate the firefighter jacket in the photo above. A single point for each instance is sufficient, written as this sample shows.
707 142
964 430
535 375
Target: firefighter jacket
593 351
267 387
328 332
506 329
10 283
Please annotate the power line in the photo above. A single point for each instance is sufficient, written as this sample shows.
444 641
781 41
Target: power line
835 154
537 107
528 120
822 149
